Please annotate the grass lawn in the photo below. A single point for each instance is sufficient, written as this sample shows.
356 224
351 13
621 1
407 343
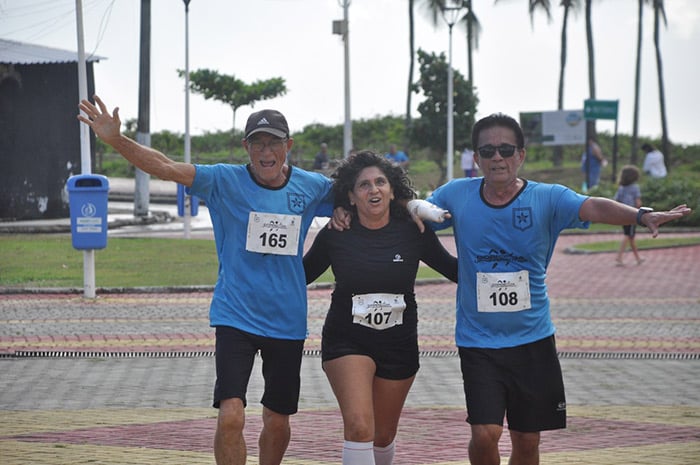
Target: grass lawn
49 260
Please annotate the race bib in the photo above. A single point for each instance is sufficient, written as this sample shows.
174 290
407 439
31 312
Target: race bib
503 292
378 311
273 233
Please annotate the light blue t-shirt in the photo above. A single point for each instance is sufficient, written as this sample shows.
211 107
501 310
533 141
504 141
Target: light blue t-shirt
261 293
500 239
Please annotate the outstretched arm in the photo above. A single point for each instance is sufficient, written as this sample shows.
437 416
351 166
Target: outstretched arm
108 128
602 210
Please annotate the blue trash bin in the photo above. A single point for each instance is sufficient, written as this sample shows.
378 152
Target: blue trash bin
194 201
87 195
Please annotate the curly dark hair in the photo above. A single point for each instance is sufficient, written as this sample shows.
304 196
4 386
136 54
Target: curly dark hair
345 177
629 174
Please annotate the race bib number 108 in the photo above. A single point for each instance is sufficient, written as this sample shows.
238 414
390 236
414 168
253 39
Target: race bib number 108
273 233
503 292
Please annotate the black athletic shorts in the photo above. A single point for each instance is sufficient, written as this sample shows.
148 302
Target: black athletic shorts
629 230
281 363
394 359
522 383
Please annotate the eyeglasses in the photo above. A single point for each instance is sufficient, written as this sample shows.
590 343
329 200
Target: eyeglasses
275 145
488 151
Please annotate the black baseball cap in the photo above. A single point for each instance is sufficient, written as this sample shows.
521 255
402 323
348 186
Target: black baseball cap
270 121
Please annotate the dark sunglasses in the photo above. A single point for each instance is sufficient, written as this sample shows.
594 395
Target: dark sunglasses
488 151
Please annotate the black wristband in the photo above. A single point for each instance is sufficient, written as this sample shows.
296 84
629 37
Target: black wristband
641 212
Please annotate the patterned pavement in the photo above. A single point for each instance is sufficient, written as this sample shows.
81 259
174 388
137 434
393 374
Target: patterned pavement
127 377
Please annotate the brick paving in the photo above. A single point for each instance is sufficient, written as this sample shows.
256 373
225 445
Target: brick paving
127 378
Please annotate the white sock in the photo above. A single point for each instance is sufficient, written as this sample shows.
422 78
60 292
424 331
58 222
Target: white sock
358 453
384 455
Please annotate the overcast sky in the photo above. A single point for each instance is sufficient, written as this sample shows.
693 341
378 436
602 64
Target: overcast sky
516 65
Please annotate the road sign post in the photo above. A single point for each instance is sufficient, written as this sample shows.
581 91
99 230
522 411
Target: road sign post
603 109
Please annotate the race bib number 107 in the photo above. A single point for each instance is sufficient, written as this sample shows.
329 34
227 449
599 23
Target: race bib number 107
273 233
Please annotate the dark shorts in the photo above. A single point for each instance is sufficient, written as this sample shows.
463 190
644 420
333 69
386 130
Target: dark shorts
522 383
629 230
395 360
281 363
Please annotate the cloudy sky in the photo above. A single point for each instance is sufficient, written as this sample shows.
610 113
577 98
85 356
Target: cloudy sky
516 65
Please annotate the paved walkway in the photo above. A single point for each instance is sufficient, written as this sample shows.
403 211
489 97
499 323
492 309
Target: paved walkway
127 378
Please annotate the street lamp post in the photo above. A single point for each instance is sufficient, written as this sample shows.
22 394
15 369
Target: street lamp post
341 28
188 199
450 14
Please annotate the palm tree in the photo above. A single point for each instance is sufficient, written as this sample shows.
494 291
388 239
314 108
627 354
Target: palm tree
569 6
637 85
590 125
473 31
412 53
659 14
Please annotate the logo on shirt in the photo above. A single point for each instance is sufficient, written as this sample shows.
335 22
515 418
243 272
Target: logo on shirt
522 218
397 258
500 256
296 202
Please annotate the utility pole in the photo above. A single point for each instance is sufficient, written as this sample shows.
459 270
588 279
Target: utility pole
342 28
188 198
143 131
85 158
450 15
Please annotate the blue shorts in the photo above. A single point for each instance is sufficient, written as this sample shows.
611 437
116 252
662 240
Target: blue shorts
522 383
281 363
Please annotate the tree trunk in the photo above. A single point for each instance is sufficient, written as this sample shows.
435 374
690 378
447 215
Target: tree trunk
665 144
637 85
411 41
591 61
470 42
558 152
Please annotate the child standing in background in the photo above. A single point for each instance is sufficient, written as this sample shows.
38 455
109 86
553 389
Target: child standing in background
628 192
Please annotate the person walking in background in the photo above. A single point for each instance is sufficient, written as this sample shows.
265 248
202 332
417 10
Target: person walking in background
370 340
505 229
629 193
591 166
469 166
397 157
321 158
259 301
654 164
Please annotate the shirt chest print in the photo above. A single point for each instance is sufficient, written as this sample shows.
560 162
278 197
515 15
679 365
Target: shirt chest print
522 218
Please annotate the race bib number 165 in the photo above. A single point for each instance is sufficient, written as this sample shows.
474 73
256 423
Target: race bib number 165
273 233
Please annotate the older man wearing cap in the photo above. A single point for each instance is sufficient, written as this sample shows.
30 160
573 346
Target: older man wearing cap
261 213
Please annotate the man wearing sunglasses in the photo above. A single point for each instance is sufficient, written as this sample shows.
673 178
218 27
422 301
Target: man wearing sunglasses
261 213
506 228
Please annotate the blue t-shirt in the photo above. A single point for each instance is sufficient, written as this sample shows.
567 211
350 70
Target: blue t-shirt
261 293
500 239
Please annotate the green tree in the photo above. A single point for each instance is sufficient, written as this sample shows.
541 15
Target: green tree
232 91
430 131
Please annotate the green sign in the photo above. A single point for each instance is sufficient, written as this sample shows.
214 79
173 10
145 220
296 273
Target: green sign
600 109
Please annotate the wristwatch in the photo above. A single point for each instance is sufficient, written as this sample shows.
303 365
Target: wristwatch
642 211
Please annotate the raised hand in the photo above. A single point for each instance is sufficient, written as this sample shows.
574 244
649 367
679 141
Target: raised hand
106 126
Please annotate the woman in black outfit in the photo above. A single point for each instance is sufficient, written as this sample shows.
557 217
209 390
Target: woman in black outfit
370 339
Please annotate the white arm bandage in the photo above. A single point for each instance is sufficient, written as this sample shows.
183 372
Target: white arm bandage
426 211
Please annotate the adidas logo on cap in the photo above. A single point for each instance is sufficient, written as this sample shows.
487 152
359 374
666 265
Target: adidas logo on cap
269 121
